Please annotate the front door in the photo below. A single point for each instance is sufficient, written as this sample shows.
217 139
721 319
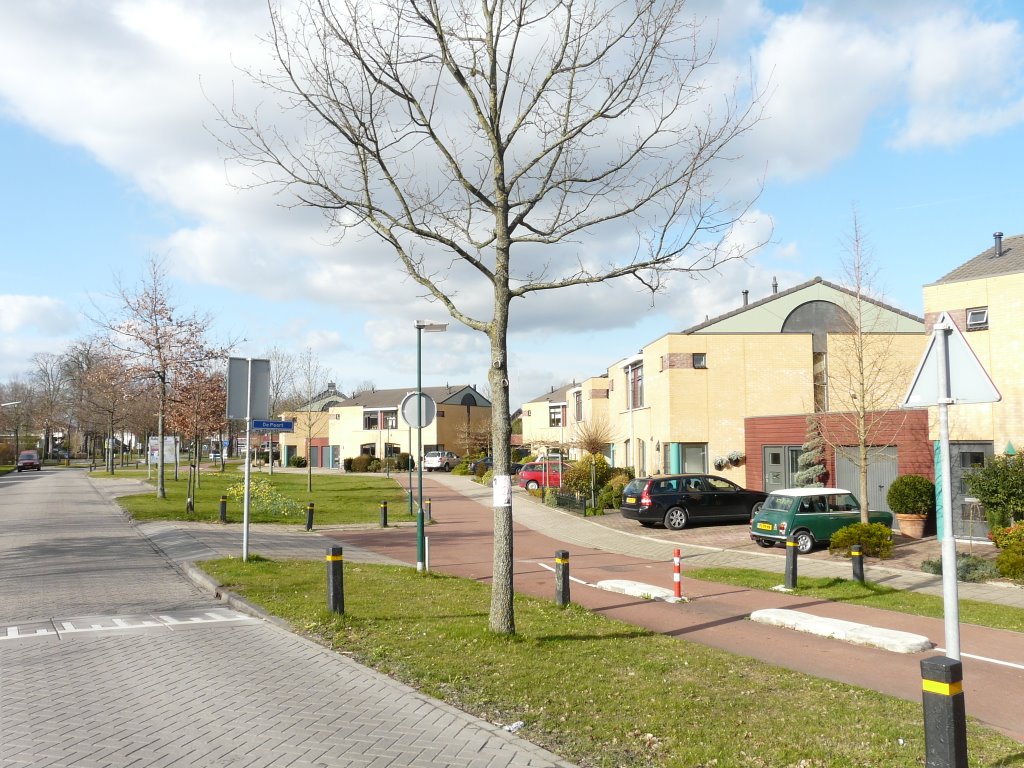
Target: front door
775 476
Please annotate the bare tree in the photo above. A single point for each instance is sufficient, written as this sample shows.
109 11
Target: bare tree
867 374
157 340
593 436
197 411
464 134
108 390
311 381
52 392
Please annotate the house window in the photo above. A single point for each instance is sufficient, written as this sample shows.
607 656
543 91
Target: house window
700 360
555 415
368 449
390 419
577 406
371 420
635 382
977 319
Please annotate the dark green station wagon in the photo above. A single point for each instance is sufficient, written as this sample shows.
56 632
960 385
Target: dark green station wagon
811 515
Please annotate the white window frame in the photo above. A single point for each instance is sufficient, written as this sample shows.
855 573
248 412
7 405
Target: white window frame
977 319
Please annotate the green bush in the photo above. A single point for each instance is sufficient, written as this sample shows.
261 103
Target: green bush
551 497
462 468
361 463
374 466
999 485
347 464
405 462
486 477
578 476
875 540
1010 562
297 461
610 496
264 498
911 495
1008 536
969 568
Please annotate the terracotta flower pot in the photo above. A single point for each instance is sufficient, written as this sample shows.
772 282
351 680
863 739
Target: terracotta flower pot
912 526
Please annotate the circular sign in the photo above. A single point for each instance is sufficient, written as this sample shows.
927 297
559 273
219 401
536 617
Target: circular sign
423 416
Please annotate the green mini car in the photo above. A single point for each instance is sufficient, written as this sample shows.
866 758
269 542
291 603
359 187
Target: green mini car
811 515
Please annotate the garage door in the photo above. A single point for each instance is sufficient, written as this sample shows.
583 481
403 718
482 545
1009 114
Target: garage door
882 468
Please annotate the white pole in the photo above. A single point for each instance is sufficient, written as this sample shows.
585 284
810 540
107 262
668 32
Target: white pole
951 604
248 454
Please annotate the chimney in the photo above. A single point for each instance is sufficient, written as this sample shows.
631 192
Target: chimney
746 296
330 386
999 243
775 285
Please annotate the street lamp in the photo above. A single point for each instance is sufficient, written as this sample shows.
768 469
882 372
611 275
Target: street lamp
429 327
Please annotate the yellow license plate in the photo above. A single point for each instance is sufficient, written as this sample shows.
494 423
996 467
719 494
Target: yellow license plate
765 526
631 499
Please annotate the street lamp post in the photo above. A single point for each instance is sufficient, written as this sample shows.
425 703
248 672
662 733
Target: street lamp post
429 327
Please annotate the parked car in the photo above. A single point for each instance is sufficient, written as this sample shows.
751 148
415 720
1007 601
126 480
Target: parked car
29 460
442 460
488 463
811 515
677 500
538 474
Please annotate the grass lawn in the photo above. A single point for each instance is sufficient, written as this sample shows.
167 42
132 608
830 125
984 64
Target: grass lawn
337 499
874 595
596 691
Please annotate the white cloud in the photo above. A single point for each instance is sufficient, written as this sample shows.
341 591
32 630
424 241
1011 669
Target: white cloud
37 315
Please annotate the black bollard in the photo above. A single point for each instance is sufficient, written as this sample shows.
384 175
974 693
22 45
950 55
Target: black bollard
426 509
791 555
383 514
857 558
223 509
562 578
335 580
945 717
309 516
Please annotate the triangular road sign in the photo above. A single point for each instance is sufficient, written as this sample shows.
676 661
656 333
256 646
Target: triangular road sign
967 379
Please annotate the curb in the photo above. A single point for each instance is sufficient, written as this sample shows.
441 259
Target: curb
206 582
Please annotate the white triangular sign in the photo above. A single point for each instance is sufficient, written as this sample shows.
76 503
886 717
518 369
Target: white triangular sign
967 379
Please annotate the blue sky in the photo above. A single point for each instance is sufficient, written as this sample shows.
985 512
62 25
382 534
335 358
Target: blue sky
913 113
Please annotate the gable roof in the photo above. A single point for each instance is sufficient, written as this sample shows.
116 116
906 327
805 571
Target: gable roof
556 395
450 394
987 264
786 297
323 401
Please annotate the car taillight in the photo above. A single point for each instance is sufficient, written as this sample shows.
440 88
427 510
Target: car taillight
782 527
645 499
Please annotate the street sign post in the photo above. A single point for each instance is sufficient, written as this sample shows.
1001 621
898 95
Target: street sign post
266 425
949 374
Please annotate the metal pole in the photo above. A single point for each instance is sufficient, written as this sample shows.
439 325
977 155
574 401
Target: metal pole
945 717
677 576
427 510
223 509
335 580
791 555
309 516
420 545
409 467
383 514
950 600
248 453
857 559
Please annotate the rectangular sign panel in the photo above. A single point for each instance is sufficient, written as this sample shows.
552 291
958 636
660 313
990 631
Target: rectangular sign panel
248 376
264 425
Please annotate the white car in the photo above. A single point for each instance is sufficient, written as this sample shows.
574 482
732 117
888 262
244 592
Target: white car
442 460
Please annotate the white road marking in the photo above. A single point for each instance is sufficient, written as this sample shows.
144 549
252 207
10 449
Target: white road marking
571 578
62 627
1000 662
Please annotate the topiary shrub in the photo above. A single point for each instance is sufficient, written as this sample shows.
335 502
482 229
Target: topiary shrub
970 568
610 496
551 497
405 462
347 464
1010 562
875 540
297 461
361 463
911 495
1008 536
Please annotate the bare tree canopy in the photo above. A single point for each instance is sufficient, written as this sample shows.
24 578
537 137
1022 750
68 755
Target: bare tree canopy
463 134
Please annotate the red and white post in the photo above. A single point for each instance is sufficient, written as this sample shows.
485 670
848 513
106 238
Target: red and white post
677 579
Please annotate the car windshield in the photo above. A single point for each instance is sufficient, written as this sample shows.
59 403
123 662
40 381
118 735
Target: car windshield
634 487
27 455
777 503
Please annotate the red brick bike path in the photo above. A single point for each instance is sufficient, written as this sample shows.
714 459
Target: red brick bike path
460 543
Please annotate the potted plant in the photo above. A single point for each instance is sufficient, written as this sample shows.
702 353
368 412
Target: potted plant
735 458
911 499
721 463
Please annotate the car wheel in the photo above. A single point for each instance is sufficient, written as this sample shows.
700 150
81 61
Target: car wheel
532 485
447 467
804 542
755 509
676 519
766 543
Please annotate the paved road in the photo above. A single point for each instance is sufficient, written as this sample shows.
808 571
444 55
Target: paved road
109 657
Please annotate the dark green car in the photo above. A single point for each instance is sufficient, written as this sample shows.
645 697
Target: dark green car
811 515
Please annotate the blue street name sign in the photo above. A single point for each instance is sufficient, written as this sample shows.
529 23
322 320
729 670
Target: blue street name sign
265 425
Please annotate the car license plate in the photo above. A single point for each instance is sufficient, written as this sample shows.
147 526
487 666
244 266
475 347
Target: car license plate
765 526
631 499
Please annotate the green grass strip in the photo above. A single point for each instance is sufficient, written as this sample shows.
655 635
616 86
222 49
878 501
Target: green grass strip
596 691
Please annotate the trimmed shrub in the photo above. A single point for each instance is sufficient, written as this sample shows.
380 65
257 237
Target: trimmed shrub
487 477
551 497
875 540
347 464
1010 562
1008 536
374 466
578 476
911 495
970 568
361 463
297 461
405 462
610 496
999 485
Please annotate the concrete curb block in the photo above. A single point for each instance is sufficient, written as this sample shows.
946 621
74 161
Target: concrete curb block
206 582
638 589
848 631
